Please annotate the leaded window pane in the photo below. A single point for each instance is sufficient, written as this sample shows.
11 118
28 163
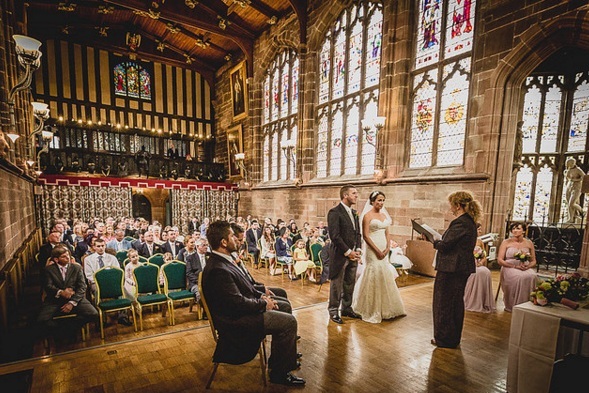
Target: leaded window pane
530 118
349 73
369 138
459 27
424 113
280 91
551 120
322 142
266 157
131 80
374 42
428 33
523 192
351 141
579 118
542 194
453 109
337 135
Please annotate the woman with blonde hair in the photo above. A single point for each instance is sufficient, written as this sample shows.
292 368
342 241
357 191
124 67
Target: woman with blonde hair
455 262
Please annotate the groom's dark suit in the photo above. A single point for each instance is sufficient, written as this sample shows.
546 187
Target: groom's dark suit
344 236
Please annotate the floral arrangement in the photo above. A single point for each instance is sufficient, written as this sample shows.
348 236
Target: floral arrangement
479 253
571 288
522 256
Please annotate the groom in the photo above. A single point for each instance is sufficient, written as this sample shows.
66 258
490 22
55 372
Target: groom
345 250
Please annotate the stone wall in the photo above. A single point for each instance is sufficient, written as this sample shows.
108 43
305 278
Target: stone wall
512 39
17 213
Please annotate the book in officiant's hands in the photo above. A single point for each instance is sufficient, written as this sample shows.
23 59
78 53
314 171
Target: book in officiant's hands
426 231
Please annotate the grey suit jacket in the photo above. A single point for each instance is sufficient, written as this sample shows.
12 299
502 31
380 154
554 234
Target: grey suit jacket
74 279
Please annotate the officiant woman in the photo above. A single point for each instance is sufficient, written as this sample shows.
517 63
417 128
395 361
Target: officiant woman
454 264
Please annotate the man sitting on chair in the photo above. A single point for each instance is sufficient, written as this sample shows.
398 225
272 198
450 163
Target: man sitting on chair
243 315
65 287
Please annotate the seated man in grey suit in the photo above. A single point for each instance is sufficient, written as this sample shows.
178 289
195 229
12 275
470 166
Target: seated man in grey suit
65 286
119 243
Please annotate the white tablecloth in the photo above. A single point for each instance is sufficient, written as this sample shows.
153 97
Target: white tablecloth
533 342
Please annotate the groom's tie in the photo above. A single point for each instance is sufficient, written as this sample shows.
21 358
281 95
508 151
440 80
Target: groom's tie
351 213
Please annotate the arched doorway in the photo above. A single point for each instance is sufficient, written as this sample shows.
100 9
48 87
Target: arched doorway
141 206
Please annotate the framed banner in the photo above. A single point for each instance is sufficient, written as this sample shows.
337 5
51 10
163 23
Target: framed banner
234 146
238 77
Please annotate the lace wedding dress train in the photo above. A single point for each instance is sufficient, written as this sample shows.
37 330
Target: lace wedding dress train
376 295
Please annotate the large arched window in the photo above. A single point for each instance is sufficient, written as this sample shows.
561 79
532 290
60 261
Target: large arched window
441 79
279 119
553 135
131 80
349 73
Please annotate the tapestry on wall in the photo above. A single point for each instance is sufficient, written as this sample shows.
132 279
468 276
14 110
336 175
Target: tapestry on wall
187 204
85 203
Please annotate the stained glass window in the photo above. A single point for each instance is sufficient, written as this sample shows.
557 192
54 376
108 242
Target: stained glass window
349 74
554 122
444 40
131 80
281 94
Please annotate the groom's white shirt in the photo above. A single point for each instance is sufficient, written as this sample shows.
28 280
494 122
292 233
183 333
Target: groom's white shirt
349 211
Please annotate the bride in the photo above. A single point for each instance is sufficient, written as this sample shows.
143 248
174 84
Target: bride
376 296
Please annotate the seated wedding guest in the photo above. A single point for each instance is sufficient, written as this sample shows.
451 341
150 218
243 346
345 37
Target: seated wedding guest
239 256
109 234
478 294
46 249
138 243
149 247
84 247
251 236
322 230
98 260
293 228
193 225
168 257
133 256
283 254
65 287
267 251
173 246
243 315
190 256
316 238
119 243
302 262
517 257
324 256
203 227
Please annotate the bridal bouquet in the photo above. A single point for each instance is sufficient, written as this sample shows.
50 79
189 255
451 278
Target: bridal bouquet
567 290
522 256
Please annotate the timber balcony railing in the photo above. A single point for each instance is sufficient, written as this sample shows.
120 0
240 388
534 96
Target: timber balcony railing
62 161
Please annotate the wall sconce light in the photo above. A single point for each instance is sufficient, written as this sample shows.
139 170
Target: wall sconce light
288 149
29 55
240 161
374 139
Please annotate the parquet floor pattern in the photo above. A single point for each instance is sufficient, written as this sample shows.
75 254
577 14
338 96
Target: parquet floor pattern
394 356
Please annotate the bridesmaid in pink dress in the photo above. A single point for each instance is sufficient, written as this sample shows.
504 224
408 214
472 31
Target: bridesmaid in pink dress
478 294
518 278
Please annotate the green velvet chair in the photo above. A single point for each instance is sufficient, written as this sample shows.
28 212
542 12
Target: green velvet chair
110 294
175 287
147 290
156 259
121 256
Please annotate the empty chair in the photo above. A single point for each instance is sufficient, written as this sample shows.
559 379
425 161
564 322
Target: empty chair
147 289
121 256
109 294
175 287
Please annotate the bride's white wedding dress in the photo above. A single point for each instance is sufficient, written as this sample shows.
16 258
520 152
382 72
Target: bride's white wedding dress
376 295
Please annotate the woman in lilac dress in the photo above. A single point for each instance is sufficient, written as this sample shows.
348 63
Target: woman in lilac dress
517 258
478 294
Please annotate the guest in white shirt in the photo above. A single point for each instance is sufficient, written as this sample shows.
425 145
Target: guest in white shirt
98 260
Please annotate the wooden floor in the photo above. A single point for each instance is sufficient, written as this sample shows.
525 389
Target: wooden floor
394 356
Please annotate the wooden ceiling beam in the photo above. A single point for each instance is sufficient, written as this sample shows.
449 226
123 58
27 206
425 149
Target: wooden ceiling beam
300 8
188 18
